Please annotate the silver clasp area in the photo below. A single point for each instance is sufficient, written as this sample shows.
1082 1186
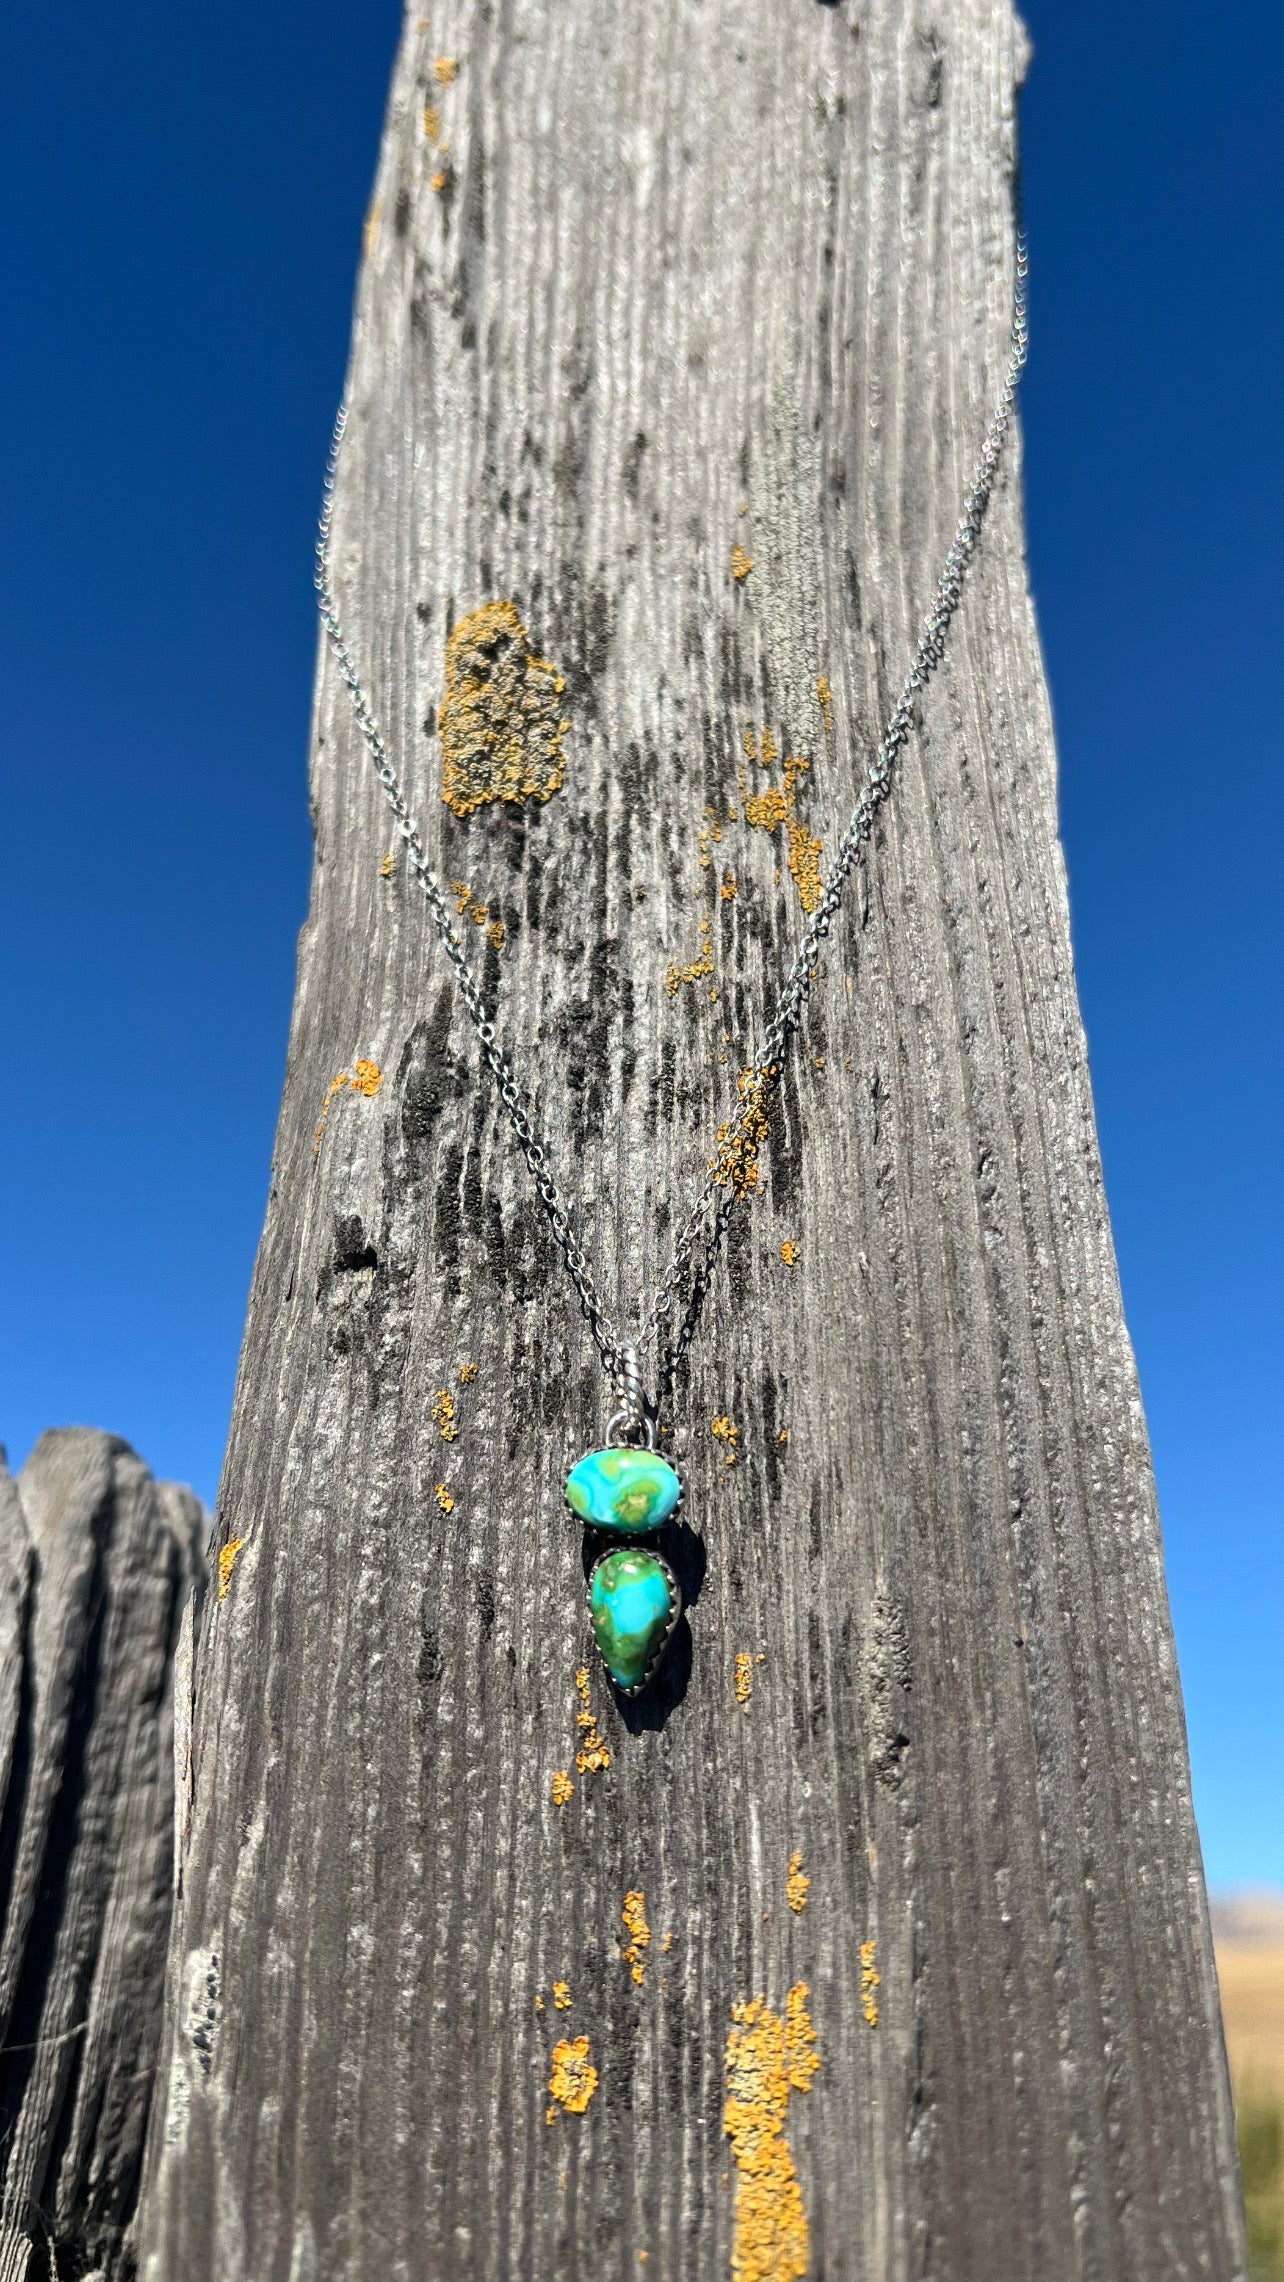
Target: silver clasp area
632 1422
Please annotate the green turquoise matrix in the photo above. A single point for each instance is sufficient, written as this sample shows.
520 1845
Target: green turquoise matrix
633 1607
628 1491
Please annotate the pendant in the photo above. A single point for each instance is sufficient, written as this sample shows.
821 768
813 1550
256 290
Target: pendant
634 1600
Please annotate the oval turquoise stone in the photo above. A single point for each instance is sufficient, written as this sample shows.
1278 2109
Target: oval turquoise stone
631 1491
633 1607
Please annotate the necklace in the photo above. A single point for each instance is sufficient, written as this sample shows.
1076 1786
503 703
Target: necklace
625 1492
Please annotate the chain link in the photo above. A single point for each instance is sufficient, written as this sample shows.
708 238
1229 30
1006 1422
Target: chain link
693 1261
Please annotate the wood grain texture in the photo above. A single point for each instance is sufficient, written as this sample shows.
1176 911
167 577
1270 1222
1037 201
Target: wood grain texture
642 286
85 1874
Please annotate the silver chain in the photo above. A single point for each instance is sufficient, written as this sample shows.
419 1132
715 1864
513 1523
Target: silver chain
703 1230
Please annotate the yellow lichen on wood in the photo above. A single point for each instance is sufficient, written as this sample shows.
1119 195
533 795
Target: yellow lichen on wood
706 834
335 1086
573 2079
778 805
364 1078
766 810
226 1564
437 182
478 912
870 1980
562 1999
639 1933
724 1431
444 1498
447 70
467 1373
563 1787
743 1682
797 1885
443 1415
728 890
735 1162
768 2059
789 1252
826 696
432 122
741 565
593 1756
388 868
501 722
700 966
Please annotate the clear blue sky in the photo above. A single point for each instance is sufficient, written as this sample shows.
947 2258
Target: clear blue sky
184 191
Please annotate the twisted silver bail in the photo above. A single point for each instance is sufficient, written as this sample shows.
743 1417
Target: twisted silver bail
632 1422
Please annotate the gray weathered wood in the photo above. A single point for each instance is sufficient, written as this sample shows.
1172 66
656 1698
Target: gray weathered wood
644 285
88 1823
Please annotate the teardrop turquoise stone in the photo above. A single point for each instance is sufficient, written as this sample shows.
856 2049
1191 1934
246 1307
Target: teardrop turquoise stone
633 1606
631 1491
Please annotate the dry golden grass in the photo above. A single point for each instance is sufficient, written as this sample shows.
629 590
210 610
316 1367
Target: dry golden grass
1249 1937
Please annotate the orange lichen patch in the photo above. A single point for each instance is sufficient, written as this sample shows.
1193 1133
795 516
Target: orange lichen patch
495 934
447 70
797 1885
501 722
437 182
335 1086
767 809
593 1756
804 865
466 901
768 2059
706 834
443 1415
741 565
370 229
388 868
783 1436
364 1078
444 1498
573 2080
728 1435
779 805
226 1564
563 1787
728 889
667 1944
870 1979
432 122
826 696
735 1163
743 1682
762 749
467 1373
539 2002
562 1996
789 1252
675 975
639 1933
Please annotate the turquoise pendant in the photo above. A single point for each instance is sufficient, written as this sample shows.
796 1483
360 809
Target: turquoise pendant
634 1604
630 1492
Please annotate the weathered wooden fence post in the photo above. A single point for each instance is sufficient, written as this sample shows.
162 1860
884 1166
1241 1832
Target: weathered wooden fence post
676 338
